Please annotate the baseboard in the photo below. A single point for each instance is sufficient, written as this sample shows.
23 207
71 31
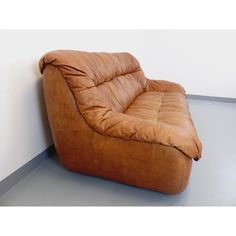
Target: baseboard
7 183
211 98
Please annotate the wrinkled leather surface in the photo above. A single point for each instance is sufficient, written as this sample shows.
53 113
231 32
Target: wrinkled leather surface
109 120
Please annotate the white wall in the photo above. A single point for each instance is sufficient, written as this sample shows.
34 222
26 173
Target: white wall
204 62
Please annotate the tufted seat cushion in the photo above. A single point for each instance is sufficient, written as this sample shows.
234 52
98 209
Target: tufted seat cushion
100 99
169 108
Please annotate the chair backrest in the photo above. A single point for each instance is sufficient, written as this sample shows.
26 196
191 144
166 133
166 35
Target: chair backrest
112 80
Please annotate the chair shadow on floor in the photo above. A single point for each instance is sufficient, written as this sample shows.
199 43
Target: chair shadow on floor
120 194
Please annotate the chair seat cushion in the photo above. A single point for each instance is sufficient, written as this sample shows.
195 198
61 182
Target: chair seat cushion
167 107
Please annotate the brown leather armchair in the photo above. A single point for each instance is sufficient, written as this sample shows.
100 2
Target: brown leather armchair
109 120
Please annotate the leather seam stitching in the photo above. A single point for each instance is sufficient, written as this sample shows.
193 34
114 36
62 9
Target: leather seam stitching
160 106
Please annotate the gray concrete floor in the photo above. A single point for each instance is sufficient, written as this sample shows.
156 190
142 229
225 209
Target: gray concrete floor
212 181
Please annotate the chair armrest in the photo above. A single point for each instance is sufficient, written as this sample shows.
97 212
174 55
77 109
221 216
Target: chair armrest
164 86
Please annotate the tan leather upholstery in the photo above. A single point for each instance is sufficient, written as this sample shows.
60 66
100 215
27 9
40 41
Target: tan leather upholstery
109 120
